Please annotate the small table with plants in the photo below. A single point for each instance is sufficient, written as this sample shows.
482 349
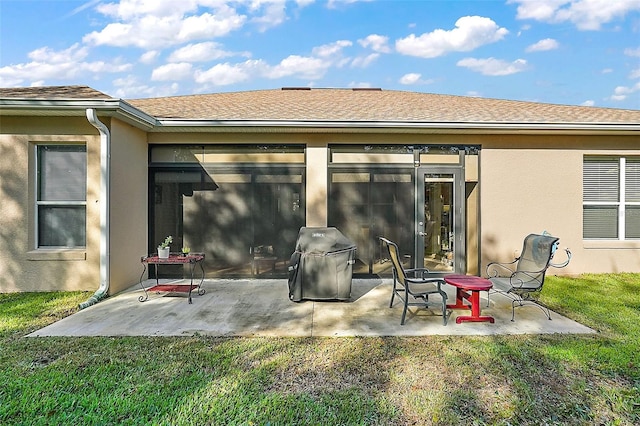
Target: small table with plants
191 259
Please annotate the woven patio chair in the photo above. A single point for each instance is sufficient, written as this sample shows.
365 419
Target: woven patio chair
413 286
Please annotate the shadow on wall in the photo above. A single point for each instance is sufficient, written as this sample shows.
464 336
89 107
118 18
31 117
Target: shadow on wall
17 273
13 216
493 249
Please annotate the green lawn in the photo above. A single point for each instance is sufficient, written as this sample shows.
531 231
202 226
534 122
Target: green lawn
548 379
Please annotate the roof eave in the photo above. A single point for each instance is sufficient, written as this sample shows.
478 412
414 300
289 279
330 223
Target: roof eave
182 125
77 107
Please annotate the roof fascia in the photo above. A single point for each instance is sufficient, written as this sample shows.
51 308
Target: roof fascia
169 125
109 107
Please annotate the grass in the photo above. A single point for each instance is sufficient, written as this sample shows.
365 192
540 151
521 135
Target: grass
503 380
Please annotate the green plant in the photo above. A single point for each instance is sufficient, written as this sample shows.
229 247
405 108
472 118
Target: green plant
186 250
166 242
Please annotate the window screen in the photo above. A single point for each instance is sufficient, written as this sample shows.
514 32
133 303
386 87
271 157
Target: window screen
61 195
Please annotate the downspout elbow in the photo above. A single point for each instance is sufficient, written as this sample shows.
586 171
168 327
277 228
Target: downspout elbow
105 167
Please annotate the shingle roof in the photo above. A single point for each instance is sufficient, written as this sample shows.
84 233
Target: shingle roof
343 105
53 92
371 105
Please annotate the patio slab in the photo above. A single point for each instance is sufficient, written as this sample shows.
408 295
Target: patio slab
262 308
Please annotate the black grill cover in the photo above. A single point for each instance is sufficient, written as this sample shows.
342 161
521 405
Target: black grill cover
321 266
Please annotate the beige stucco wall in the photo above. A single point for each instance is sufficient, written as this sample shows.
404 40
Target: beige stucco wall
531 185
317 175
22 268
128 201
526 184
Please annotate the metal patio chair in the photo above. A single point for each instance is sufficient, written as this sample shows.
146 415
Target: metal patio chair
413 286
523 278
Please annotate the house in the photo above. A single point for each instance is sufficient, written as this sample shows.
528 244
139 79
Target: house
90 183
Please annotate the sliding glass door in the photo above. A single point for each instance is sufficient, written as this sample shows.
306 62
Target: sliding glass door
246 220
367 204
421 209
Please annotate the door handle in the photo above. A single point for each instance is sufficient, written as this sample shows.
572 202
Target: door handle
422 234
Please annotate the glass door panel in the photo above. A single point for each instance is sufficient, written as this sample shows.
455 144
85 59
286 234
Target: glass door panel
367 203
440 239
438 235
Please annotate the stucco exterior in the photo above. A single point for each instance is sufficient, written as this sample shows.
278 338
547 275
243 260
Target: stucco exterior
21 267
533 184
526 177
128 213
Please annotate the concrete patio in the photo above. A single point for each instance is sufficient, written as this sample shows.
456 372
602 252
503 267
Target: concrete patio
262 308
251 308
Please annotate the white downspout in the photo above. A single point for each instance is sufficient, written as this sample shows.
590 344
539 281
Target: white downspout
105 167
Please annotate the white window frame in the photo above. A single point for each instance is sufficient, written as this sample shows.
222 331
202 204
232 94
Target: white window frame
621 204
61 203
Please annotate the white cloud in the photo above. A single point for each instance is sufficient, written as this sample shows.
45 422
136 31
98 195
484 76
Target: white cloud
621 93
46 54
210 25
410 78
149 57
311 67
226 74
539 10
360 84
413 78
315 66
199 52
151 24
364 61
331 49
48 64
172 72
161 23
634 74
493 67
584 14
470 32
274 13
300 67
332 4
588 102
632 52
130 87
376 42
543 45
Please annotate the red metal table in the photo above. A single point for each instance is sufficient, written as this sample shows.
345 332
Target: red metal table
192 259
468 288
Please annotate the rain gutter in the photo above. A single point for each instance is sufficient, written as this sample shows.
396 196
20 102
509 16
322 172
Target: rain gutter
72 107
105 168
170 124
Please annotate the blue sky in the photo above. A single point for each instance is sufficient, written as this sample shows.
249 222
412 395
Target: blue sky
576 52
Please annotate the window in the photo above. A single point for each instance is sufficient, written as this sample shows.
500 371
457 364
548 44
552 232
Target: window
61 196
611 198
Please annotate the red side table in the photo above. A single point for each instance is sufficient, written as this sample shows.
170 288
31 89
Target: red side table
192 259
468 288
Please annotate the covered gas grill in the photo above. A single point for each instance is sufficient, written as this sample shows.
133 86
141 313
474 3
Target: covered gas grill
321 266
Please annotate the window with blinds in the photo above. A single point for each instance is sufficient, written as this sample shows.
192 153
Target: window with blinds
61 196
611 197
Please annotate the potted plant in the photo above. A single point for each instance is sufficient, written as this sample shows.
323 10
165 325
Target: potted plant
186 250
163 249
